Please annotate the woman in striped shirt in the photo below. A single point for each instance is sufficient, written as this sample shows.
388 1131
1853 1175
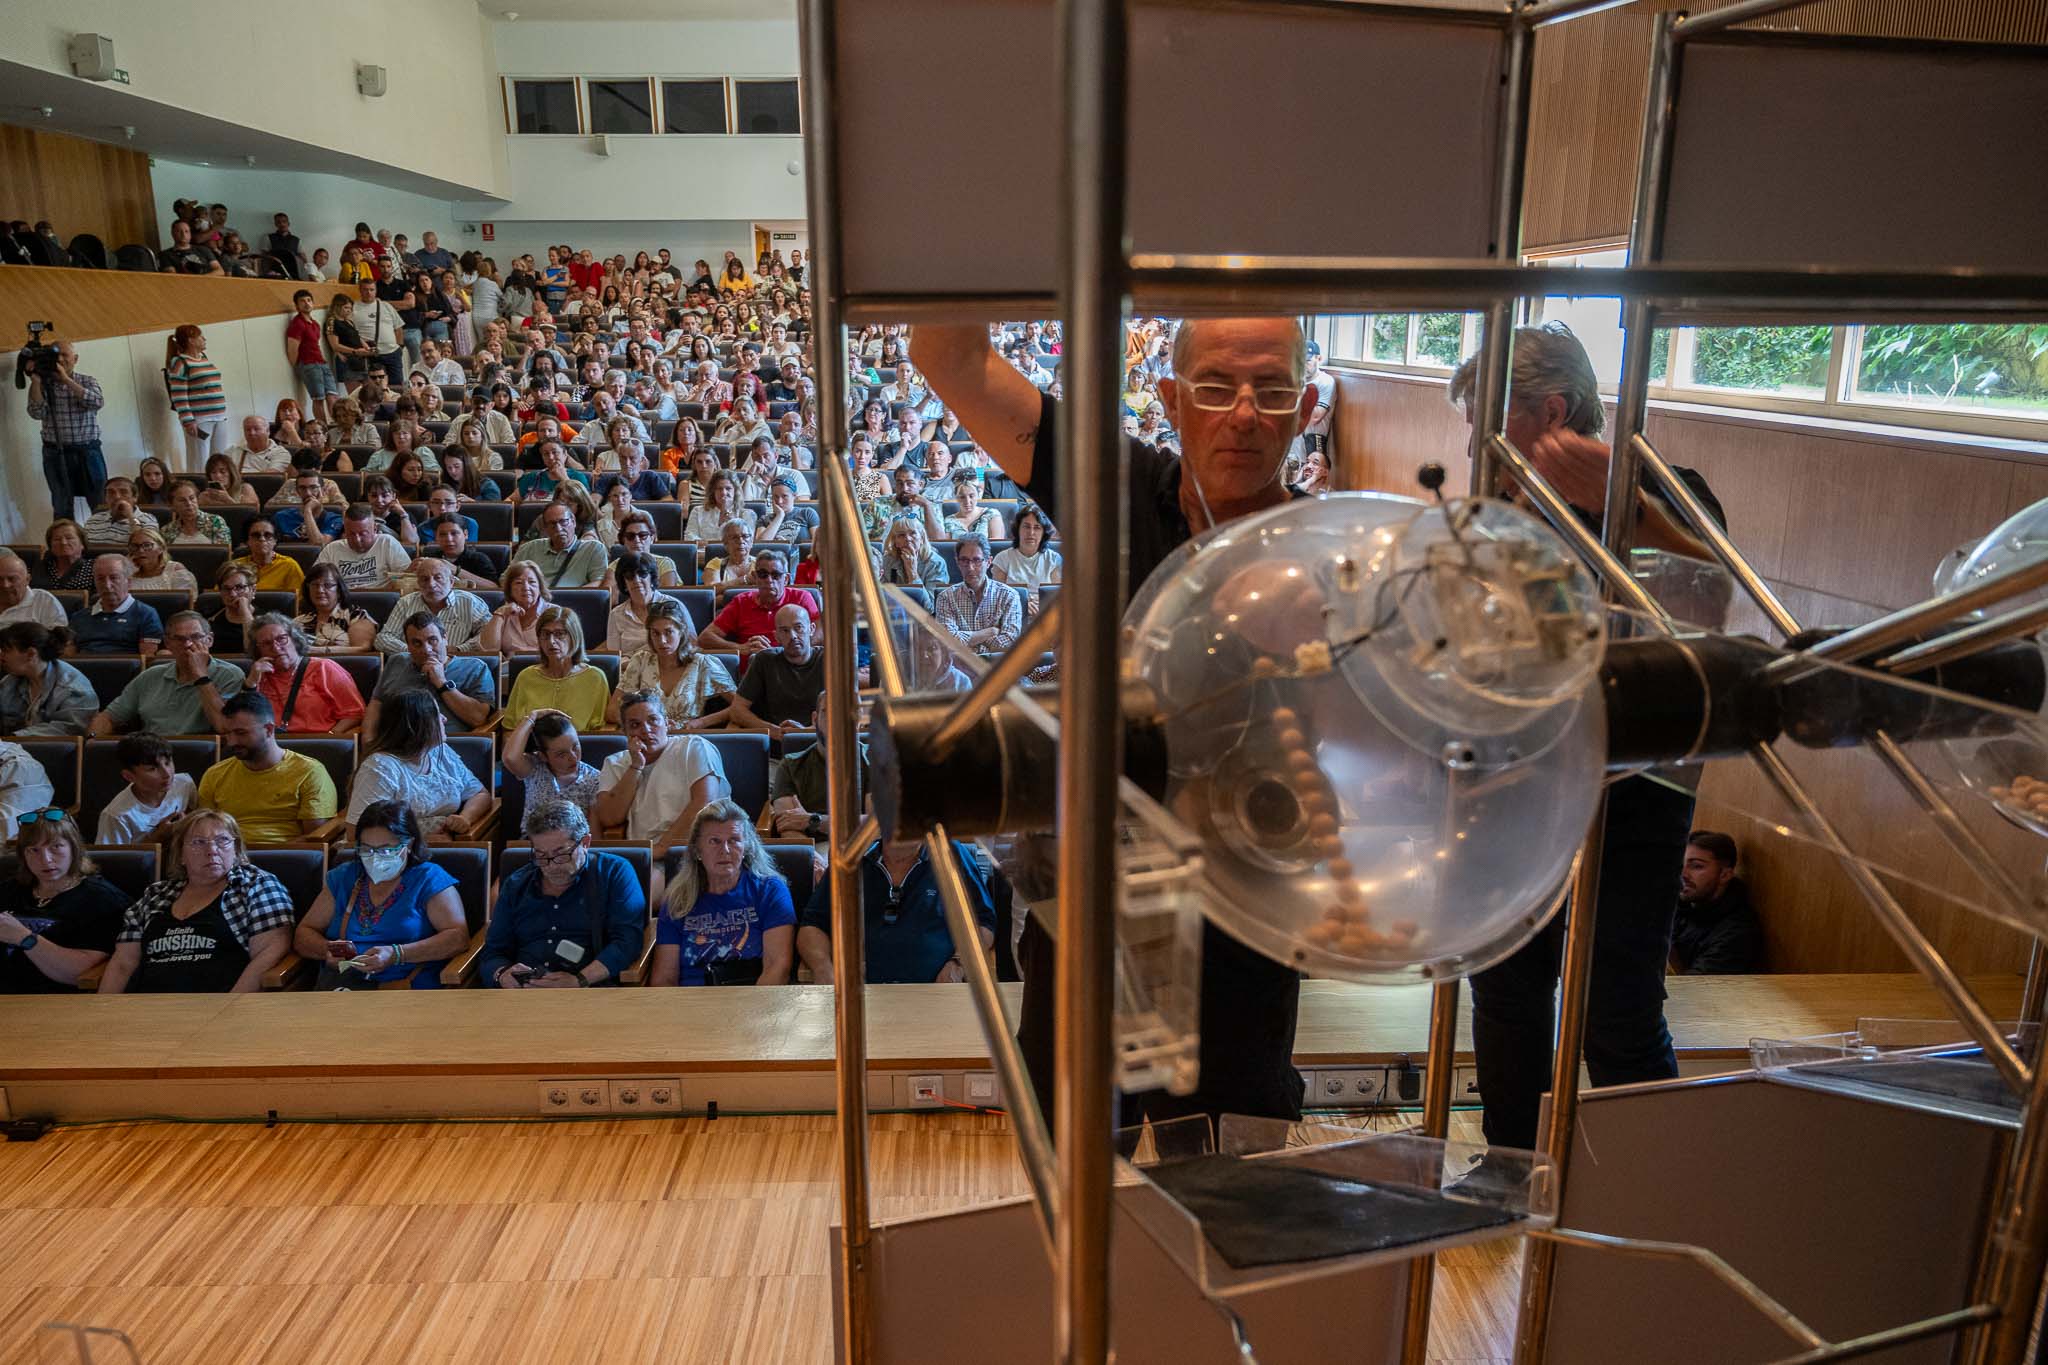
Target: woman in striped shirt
197 395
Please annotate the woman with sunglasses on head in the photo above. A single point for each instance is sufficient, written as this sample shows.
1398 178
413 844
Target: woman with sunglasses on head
388 917
216 923
58 917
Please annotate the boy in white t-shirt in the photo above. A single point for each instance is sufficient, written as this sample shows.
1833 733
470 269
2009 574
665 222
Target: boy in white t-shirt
156 794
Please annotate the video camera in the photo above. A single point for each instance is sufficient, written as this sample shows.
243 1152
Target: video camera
38 359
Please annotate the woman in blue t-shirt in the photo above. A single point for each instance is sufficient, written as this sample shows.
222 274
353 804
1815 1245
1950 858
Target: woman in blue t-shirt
727 919
387 919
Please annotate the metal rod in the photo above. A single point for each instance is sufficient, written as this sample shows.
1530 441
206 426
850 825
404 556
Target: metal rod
1093 63
1957 1321
1549 12
856 846
819 42
1005 673
1707 529
1971 639
1715 20
1781 1317
2034 995
1969 1011
2016 1250
1539 1268
1027 1120
1868 639
1439 1069
1612 570
843 519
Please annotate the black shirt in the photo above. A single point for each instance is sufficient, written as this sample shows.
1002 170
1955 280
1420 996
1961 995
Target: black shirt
1249 1001
1720 936
86 917
906 933
469 561
780 691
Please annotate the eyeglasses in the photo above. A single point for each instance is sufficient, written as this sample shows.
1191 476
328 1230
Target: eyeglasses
222 842
360 849
765 574
50 816
263 535
558 857
1273 400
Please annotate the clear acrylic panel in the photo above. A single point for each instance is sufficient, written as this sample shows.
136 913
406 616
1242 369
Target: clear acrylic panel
1929 1065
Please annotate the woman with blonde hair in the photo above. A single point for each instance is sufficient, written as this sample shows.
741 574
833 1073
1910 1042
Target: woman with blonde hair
197 395
217 923
350 427
57 913
706 524
514 627
155 570
909 559
727 919
565 679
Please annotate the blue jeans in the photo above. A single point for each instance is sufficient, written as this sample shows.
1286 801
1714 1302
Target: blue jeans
1514 1005
74 471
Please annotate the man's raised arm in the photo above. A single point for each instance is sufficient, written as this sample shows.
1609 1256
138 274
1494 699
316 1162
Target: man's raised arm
999 406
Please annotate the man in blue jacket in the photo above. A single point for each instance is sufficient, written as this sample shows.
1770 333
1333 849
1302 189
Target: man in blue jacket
572 917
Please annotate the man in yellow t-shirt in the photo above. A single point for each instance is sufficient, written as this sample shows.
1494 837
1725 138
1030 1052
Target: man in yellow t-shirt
276 797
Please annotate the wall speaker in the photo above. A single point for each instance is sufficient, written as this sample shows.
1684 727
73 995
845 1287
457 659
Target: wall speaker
92 56
370 80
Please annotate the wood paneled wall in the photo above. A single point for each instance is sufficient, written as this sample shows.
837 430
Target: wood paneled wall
79 186
110 303
1839 520
1591 76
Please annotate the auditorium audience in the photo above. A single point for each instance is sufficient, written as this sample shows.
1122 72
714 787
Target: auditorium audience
408 760
58 916
276 796
216 923
727 919
1717 930
387 917
310 695
570 894
40 694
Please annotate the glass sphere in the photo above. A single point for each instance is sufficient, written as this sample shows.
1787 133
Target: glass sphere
1383 721
2021 538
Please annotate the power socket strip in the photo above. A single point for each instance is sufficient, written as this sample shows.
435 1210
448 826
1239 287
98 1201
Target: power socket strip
579 1096
647 1095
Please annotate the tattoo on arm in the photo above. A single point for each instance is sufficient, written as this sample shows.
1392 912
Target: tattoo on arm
1028 437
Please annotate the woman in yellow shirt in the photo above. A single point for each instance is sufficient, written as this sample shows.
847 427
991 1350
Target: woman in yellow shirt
565 679
273 572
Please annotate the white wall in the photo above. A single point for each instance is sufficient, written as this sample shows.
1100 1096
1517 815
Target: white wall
654 178
324 208
137 419
290 69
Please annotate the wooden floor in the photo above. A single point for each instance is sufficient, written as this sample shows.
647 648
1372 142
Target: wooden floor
642 1240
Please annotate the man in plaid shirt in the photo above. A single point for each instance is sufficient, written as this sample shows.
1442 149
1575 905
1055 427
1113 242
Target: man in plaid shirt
73 464
985 614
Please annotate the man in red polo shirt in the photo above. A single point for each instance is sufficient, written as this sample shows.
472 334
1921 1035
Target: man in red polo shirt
587 273
747 625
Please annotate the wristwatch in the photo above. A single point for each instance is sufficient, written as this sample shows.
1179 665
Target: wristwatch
31 941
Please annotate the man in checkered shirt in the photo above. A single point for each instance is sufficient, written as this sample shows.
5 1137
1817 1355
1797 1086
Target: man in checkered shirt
985 614
69 409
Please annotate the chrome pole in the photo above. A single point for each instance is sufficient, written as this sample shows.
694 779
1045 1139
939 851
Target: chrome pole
1714 20
1611 569
1004 674
1971 639
1438 1077
1027 1119
842 703
1886 631
1539 1265
1093 255
843 518
1708 530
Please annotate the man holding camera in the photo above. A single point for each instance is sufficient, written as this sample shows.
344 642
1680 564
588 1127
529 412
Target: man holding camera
68 403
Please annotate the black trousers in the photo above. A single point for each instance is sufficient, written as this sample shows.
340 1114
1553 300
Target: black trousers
1514 1005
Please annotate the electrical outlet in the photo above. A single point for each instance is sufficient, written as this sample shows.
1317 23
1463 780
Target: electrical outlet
662 1095
627 1097
981 1087
927 1092
1352 1088
1465 1085
557 1097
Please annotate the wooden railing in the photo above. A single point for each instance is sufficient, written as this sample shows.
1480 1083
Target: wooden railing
85 304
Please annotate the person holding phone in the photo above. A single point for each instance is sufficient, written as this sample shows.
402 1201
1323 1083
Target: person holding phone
388 918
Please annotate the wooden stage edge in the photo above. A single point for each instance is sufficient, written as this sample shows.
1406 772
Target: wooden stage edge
475 1053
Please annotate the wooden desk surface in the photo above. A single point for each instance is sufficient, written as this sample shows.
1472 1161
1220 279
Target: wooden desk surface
740 1029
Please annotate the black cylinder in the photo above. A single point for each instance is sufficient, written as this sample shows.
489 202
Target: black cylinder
1830 707
1002 776
1684 697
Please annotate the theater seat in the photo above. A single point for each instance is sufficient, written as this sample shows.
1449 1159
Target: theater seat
130 869
59 755
108 673
205 561
135 256
88 252
336 753
593 608
745 757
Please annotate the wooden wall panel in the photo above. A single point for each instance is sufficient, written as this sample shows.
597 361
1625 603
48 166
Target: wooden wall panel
1848 526
79 186
1591 75
110 303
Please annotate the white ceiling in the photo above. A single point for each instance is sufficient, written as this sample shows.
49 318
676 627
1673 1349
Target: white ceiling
639 11
100 112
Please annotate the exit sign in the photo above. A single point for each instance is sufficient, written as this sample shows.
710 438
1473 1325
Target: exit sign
121 74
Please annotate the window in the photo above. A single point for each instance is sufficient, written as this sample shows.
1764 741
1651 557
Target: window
545 107
1994 370
621 106
693 106
766 107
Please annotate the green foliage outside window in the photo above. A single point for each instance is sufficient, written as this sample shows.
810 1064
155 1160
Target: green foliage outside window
1440 337
2005 365
1766 358
1390 337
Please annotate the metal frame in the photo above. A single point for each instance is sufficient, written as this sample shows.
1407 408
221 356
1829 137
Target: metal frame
1099 279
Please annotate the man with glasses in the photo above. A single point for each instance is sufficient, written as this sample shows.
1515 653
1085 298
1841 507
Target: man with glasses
1237 398
181 697
986 616
541 932
460 614
564 561
747 624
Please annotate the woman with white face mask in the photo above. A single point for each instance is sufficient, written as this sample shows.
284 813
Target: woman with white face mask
388 918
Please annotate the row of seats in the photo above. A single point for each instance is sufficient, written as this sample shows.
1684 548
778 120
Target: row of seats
477 868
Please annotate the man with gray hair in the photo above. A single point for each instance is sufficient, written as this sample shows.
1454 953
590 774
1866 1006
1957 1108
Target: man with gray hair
115 621
462 613
987 616
182 697
1555 417
572 917
20 602
1238 398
